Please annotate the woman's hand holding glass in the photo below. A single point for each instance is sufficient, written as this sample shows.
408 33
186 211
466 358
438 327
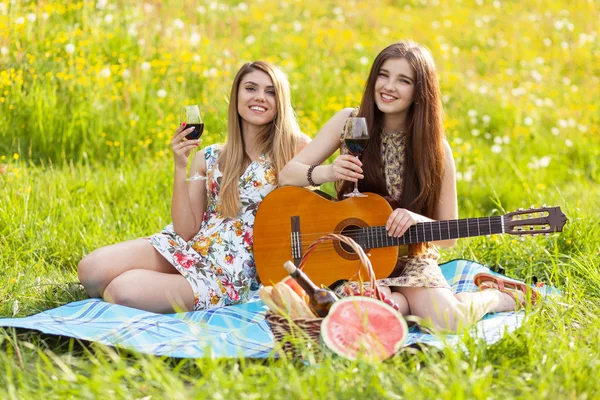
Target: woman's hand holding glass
346 167
181 147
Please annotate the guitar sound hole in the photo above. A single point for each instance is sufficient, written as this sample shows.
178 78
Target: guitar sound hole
351 231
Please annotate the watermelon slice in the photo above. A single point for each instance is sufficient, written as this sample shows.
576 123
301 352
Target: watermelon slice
359 325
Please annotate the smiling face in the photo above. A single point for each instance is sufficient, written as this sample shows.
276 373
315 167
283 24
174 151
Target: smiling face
256 101
395 87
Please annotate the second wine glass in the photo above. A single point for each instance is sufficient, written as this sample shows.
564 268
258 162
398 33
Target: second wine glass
192 117
356 139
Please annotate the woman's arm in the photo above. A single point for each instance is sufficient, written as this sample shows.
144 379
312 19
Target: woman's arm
189 200
318 150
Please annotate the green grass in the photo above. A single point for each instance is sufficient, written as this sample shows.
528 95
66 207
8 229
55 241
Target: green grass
84 162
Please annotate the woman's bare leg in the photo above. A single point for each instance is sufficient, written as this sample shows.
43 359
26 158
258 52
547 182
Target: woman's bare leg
398 299
447 311
151 291
100 267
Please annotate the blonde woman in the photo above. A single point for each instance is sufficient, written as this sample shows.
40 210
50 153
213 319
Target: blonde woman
204 258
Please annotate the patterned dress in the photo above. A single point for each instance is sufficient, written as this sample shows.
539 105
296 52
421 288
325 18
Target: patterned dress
416 271
219 262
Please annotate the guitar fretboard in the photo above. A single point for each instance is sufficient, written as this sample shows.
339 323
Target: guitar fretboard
377 236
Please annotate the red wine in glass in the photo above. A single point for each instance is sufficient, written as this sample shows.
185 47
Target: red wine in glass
192 117
356 138
196 133
356 146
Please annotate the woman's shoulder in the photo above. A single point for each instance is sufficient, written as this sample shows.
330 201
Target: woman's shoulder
302 140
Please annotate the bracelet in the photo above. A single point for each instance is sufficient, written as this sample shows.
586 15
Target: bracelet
309 175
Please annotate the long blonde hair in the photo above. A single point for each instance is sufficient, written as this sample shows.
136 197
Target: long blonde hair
279 139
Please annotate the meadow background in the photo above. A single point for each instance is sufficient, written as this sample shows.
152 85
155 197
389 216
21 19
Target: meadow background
90 94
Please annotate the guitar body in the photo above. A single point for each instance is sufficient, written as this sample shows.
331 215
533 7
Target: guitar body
317 216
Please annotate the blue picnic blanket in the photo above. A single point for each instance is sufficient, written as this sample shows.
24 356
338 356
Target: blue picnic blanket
234 331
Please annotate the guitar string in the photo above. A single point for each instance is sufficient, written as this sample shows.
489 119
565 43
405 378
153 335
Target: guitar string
329 246
495 224
379 230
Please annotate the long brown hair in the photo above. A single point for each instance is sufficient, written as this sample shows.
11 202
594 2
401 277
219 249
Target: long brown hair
424 155
279 140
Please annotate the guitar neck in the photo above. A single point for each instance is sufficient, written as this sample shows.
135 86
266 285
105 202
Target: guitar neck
376 236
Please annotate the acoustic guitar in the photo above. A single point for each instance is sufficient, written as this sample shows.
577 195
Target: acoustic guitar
290 218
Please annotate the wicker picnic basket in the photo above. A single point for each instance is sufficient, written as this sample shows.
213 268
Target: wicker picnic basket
300 336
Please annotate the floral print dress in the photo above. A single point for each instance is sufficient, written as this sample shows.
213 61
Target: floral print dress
219 262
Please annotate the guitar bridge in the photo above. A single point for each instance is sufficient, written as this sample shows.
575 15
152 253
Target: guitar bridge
296 240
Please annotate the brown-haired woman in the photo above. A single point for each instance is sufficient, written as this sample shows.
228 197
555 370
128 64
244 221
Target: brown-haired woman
409 160
204 258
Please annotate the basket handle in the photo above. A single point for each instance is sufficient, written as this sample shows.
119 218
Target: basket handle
364 259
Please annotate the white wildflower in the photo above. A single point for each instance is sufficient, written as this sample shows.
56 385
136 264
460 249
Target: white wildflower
126 74
243 7
497 149
70 48
555 131
179 24
250 39
486 119
162 93
475 132
20 21
31 17
145 66
364 60
528 121
297 26
472 113
105 73
195 38
101 4
568 143
544 161
108 19
4 50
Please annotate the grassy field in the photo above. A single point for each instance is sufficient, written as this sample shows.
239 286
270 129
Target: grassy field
90 93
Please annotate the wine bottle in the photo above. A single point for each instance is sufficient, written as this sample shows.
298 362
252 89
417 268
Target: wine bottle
320 299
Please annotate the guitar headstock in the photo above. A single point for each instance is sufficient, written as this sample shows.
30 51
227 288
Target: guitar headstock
534 221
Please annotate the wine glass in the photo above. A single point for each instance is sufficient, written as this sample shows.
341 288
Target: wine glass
192 117
356 139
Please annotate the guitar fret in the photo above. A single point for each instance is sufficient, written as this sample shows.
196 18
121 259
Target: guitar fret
478 230
468 234
490 225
